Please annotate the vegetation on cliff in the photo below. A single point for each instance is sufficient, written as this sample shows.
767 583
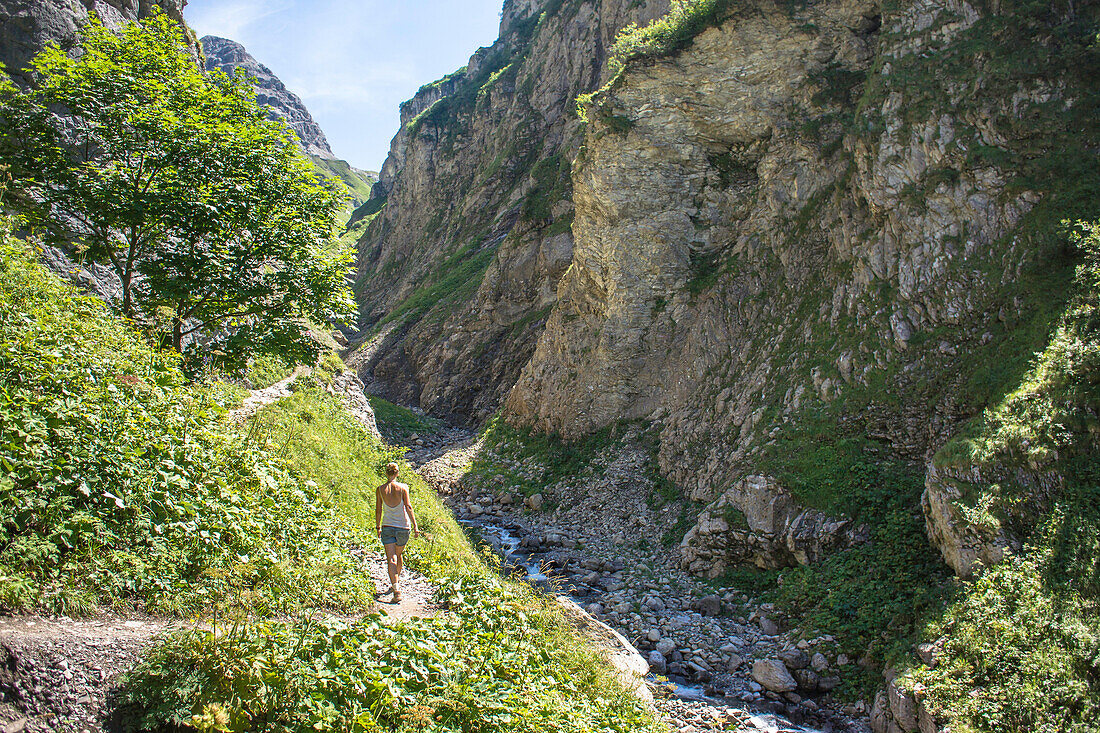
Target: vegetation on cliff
1019 648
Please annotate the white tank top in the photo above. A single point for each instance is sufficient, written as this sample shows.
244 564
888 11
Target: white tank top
395 516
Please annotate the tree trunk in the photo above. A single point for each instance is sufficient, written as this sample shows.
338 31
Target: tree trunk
127 303
177 327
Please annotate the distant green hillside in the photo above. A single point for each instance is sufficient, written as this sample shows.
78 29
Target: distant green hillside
358 181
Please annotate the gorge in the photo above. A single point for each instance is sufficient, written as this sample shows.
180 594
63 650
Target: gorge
767 329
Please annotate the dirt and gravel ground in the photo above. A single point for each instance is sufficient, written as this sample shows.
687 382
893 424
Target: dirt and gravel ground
57 674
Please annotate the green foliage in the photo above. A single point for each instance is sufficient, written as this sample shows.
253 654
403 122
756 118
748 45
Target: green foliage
397 424
159 170
501 658
1054 409
265 370
504 660
123 486
888 583
1021 642
666 35
1019 654
528 461
452 282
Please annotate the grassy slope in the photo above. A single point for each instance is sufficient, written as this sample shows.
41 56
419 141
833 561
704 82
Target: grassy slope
358 181
121 484
503 659
1021 643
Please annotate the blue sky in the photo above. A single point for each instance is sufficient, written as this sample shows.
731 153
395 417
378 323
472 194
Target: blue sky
353 61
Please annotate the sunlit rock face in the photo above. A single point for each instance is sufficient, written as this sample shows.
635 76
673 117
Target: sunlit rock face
28 25
742 257
227 55
464 259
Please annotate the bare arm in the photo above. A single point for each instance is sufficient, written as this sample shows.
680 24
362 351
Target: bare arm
409 509
378 510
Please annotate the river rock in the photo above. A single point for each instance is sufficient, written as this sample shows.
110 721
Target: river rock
773 675
657 662
795 659
767 626
709 605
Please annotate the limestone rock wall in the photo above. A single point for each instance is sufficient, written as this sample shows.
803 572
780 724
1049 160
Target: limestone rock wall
740 256
28 25
465 256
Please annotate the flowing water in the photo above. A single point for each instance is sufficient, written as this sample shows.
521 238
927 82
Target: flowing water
508 547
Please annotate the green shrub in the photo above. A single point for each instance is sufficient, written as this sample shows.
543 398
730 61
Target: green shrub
1017 655
265 370
123 486
671 32
397 423
504 661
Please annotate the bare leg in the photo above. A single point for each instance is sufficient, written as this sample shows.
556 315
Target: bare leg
400 549
393 563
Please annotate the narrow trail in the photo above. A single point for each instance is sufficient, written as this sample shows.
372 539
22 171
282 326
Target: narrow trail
259 398
416 591
59 672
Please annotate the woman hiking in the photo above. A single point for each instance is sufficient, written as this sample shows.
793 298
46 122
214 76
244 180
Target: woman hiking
392 515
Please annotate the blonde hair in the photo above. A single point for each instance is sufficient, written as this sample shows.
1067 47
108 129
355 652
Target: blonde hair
391 470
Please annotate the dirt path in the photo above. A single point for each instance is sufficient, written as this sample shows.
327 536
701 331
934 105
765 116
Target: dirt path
417 594
261 397
56 673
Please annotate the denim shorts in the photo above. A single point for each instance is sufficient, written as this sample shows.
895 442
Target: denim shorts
395 536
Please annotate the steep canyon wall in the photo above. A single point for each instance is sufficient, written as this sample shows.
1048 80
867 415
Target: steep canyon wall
459 267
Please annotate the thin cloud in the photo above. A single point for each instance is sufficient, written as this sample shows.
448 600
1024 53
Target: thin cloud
233 19
353 61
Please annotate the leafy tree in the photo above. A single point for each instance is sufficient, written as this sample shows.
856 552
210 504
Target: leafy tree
203 207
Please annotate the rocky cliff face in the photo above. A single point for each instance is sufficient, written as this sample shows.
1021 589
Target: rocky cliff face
739 258
30 24
227 55
780 222
460 267
818 221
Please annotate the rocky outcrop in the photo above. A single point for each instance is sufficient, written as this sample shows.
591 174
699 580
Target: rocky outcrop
475 232
969 525
741 256
630 666
227 55
347 387
898 710
757 522
26 26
